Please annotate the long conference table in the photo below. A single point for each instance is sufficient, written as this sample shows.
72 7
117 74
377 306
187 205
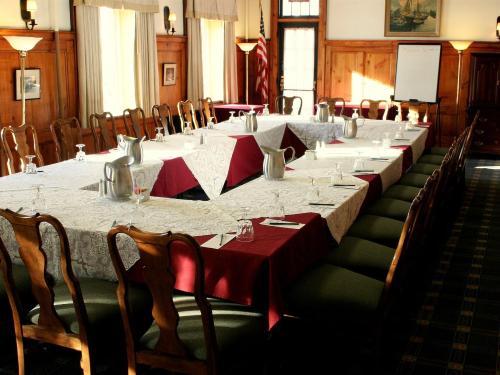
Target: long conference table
250 273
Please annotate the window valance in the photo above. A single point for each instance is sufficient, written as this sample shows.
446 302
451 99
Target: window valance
144 6
224 10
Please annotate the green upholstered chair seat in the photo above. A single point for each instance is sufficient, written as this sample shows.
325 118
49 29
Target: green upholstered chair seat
383 230
424 168
239 329
438 150
101 303
335 295
389 207
414 179
431 159
403 192
362 256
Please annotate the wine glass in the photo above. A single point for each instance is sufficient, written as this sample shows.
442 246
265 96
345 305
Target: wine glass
386 141
138 190
210 124
30 167
245 231
231 116
159 136
376 145
37 198
337 177
187 128
355 113
265 111
80 155
277 207
313 192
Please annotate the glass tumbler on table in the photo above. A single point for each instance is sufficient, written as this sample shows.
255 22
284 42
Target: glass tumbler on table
37 199
245 231
30 167
159 135
80 155
337 177
277 207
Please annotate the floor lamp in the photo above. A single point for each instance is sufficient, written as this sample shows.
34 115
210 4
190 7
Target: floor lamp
23 44
460 46
246 47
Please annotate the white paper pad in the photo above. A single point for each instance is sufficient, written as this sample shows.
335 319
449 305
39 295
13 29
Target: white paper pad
215 241
290 226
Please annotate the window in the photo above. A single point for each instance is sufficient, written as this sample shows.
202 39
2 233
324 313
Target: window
291 8
212 47
117 33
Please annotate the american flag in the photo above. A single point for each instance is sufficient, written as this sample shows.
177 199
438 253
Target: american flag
262 85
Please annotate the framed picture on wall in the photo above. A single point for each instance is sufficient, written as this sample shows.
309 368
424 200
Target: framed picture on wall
412 17
31 84
169 74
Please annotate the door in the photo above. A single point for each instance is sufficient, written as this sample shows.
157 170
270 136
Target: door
298 56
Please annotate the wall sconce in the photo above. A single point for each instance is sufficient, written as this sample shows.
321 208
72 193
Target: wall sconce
27 8
169 19
498 27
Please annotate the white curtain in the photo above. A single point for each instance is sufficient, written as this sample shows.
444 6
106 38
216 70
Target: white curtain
195 70
230 71
146 62
212 35
89 62
224 10
145 6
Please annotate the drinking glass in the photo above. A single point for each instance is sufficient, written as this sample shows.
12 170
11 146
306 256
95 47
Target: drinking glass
245 231
138 190
187 128
386 141
277 207
359 164
265 111
376 145
159 136
231 116
313 191
80 155
210 124
37 198
337 177
355 113
30 167
401 131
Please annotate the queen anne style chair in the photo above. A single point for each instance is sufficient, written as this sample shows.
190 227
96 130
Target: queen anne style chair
373 109
187 114
82 315
66 134
285 104
412 108
104 137
191 334
135 123
333 103
162 116
207 111
25 142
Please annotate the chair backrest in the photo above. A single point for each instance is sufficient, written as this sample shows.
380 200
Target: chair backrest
104 139
410 108
19 136
284 104
162 116
50 327
135 123
333 103
156 252
373 109
66 134
187 114
469 134
207 111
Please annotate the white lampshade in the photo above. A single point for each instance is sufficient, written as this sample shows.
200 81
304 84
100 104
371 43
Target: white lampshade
31 6
246 46
460 45
22 43
172 17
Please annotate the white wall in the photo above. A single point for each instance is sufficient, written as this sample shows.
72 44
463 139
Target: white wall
176 7
10 15
460 19
253 18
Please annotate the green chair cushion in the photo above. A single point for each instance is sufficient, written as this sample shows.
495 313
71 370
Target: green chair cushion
362 256
431 159
239 329
383 230
424 168
403 192
414 179
330 293
438 150
389 207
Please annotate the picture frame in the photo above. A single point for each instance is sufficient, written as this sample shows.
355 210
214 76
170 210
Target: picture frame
32 86
169 74
412 18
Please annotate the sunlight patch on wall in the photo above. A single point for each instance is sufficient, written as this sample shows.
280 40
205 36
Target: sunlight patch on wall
367 88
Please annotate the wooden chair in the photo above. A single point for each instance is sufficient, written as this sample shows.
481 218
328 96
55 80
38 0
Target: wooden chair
99 123
19 137
332 103
187 114
207 111
373 109
410 108
66 134
135 123
187 328
284 104
162 116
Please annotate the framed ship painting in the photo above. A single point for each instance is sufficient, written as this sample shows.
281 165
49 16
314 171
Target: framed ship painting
412 18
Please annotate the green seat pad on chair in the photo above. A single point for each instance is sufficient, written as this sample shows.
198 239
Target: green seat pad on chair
414 179
438 150
362 256
335 295
424 168
389 207
431 159
379 229
403 192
